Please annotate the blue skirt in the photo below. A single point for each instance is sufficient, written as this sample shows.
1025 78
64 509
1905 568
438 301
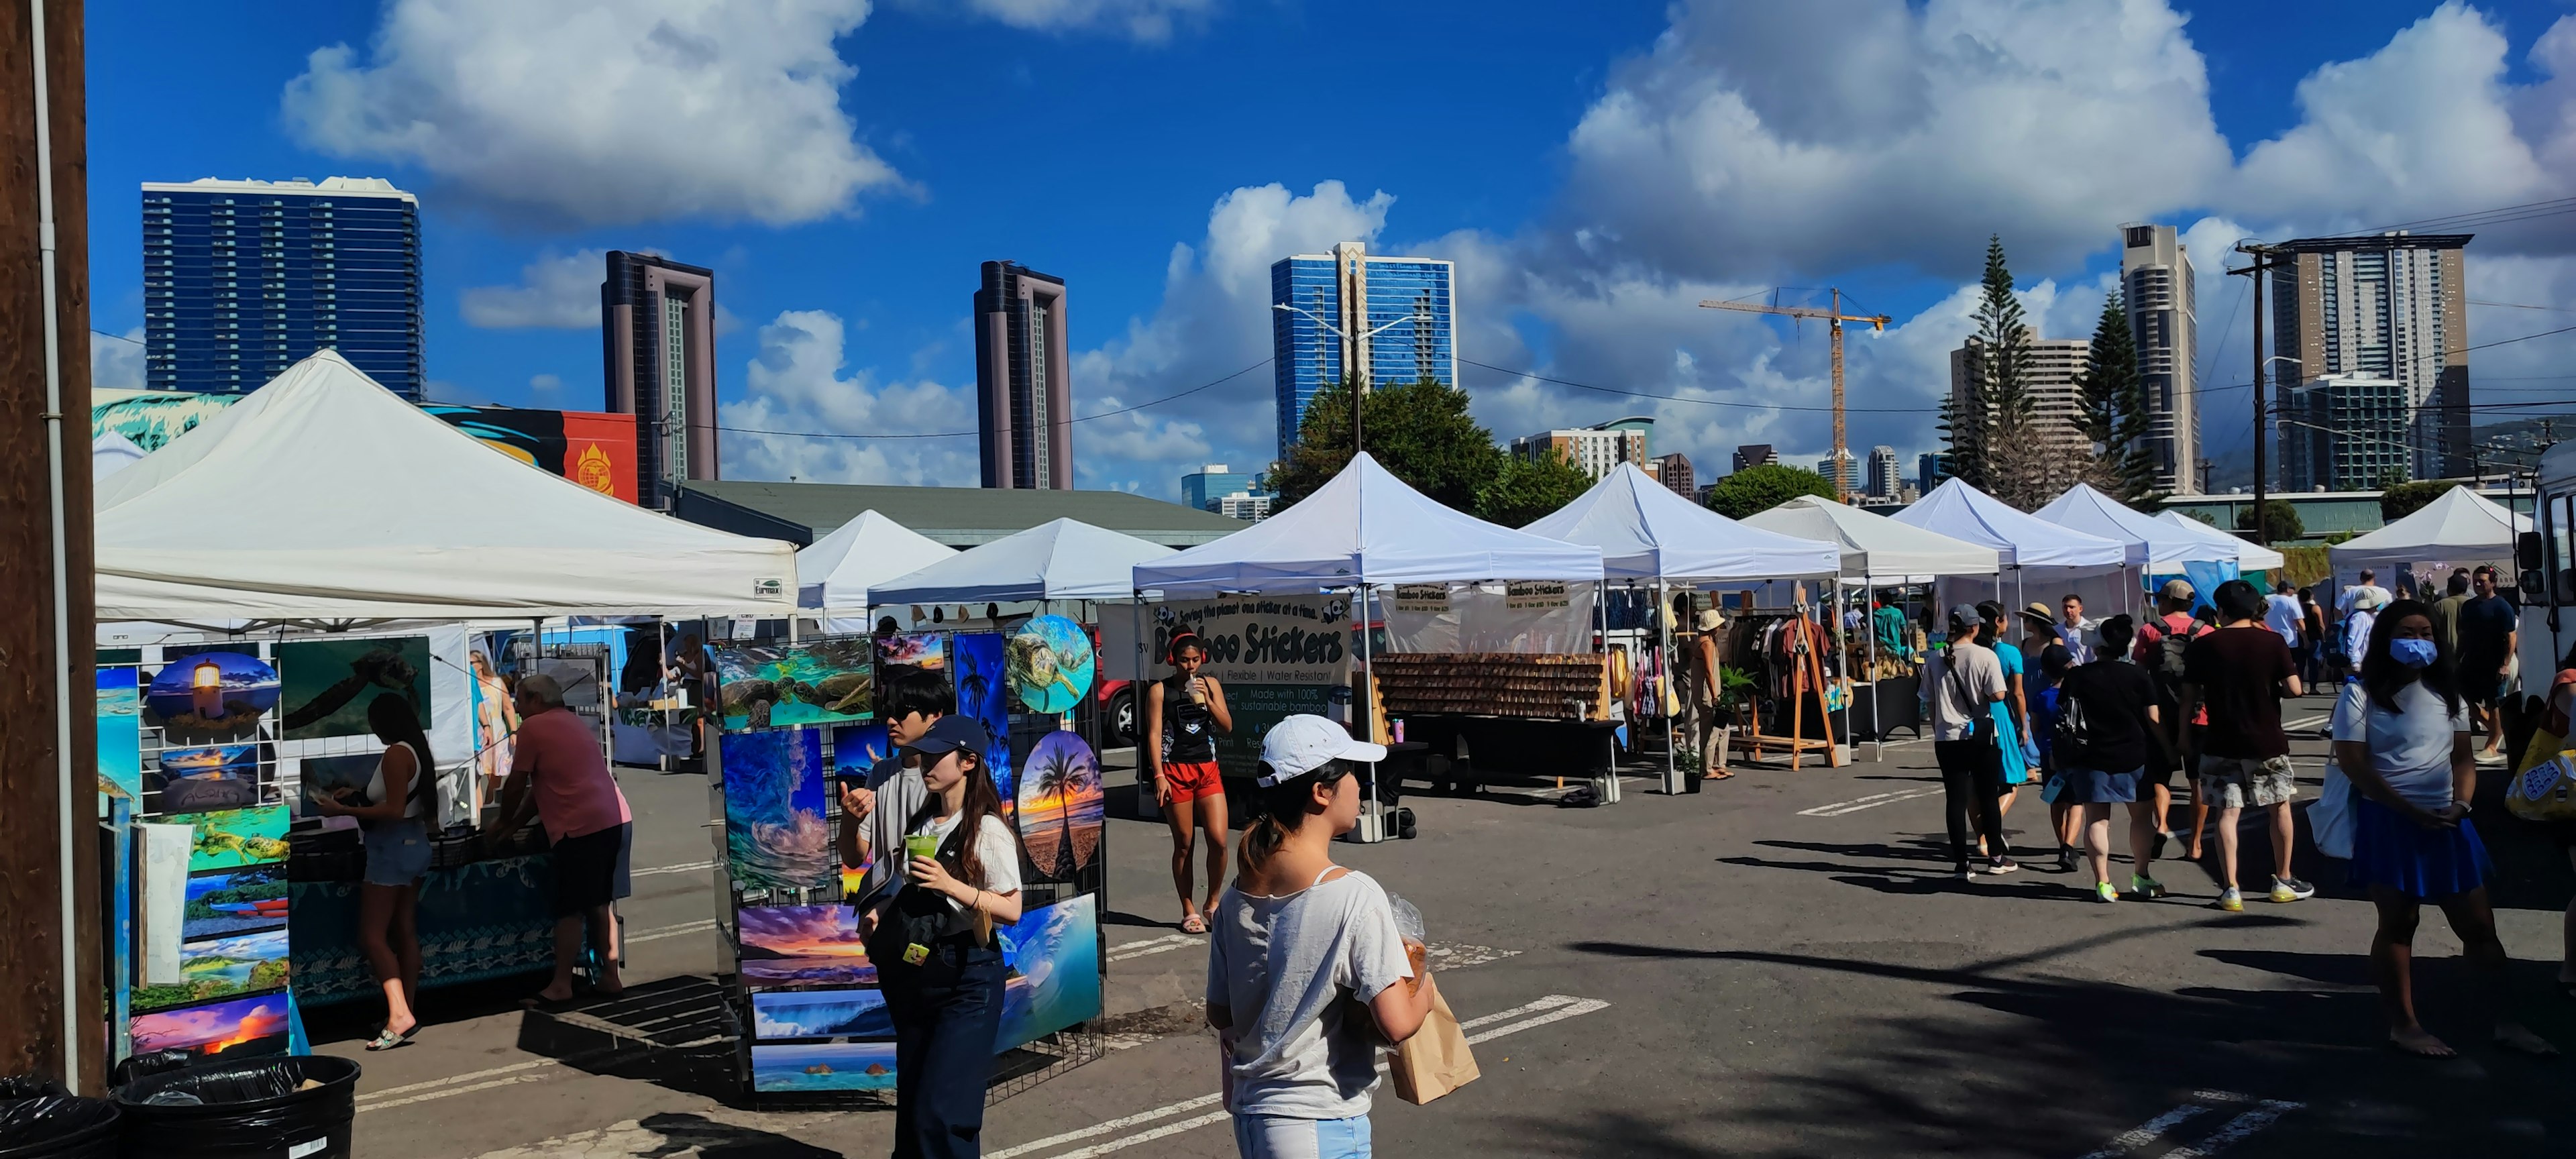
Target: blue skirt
2389 850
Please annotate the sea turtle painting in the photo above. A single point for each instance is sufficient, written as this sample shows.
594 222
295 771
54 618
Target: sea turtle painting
1048 662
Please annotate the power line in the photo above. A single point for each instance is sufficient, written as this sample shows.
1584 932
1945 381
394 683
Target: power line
963 434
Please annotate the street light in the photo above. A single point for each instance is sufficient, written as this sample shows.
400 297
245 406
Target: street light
1350 360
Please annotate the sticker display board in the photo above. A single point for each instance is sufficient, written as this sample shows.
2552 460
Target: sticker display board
1276 656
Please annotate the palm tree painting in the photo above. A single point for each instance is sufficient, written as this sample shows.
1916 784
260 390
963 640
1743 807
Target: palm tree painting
1061 807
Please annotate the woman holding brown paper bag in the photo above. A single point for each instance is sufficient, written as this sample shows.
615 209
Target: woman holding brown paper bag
1306 971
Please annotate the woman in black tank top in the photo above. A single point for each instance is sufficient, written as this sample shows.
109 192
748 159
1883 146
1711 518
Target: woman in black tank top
1184 712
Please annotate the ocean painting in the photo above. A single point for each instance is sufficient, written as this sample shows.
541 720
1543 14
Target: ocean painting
238 837
793 945
1049 662
820 1014
769 685
243 1026
221 967
120 738
235 902
210 697
1054 956
984 693
339 776
775 835
923 650
823 1066
1061 807
203 780
330 683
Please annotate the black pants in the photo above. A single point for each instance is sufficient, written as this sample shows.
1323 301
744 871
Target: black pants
946 1012
1972 786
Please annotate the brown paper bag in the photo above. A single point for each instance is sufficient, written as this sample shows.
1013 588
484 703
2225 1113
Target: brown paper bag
1435 1061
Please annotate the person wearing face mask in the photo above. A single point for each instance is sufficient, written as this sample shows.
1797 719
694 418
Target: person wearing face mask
2401 735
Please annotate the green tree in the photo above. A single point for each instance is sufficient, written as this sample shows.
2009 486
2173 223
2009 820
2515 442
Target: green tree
1524 491
1998 409
2404 499
2280 520
2115 406
1419 431
1757 489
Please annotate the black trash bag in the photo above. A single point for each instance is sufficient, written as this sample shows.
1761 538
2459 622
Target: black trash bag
150 1062
56 1126
253 1109
28 1086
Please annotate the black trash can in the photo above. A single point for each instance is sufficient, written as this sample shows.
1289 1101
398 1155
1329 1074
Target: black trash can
56 1126
252 1109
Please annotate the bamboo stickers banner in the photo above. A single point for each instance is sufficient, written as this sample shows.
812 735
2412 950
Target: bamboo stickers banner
1301 640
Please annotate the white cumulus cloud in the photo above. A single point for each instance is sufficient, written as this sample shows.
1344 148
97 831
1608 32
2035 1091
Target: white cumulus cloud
116 363
566 111
556 291
797 389
1149 21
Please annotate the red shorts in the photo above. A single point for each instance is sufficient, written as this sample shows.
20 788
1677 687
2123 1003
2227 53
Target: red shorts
1191 780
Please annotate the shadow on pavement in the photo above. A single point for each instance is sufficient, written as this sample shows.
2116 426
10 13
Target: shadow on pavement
676 1033
696 1135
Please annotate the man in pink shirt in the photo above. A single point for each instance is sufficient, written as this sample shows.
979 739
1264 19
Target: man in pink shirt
560 774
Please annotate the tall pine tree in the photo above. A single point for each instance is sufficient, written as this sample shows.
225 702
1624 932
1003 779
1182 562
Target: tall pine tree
2115 406
1994 427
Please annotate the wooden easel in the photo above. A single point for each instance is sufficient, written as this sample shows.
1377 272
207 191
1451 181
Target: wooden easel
1807 674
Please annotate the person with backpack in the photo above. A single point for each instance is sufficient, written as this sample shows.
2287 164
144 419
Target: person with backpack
2240 673
2162 644
2101 743
1965 685
2046 705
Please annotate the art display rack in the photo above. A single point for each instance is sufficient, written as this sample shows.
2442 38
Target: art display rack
1807 680
1536 686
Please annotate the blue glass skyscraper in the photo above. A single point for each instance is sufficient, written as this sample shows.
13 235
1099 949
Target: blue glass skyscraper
1353 293
241 279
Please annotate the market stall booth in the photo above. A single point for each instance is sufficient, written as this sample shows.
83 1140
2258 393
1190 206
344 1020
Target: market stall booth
834 572
1475 616
1879 553
2040 560
2460 528
1649 535
2158 550
238 658
2250 556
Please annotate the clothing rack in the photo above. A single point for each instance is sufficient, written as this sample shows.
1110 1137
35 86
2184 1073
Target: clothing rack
1806 676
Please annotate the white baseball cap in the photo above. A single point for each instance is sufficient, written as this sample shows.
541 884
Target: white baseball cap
1303 743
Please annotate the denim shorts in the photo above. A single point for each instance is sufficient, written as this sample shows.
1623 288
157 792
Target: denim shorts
1276 1137
397 852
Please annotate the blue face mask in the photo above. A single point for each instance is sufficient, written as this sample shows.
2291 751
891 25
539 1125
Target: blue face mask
2412 653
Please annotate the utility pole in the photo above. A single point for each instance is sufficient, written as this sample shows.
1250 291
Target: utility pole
51 1023
2262 531
1833 319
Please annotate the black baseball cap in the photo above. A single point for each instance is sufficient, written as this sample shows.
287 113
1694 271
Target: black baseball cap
950 733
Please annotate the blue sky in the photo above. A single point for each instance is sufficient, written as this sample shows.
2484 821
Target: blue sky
1595 170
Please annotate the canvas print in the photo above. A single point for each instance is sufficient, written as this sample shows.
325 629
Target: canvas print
775 834
856 748
120 739
1054 957
242 1026
329 683
823 1066
235 902
985 694
238 837
203 780
1049 663
822 682
221 967
923 650
209 697
798 945
820 1014
343 776
1061 807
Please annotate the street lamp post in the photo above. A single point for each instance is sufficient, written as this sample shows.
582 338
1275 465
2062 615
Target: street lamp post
1350 359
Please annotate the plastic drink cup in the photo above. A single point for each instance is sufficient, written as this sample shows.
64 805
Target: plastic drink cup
921 845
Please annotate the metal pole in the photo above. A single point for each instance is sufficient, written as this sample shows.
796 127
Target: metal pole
1664 652
2262 531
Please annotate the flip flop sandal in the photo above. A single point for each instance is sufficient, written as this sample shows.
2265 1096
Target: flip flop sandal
1720 775
389 1040
1194 924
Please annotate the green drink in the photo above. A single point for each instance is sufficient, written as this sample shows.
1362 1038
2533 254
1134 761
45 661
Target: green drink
921 845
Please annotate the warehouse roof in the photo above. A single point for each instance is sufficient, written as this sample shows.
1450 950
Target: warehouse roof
957 516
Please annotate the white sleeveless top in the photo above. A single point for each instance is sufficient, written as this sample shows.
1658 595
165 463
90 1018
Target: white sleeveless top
376 783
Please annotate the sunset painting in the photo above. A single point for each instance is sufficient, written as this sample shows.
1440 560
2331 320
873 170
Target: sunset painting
1061 807
790 945
243 1025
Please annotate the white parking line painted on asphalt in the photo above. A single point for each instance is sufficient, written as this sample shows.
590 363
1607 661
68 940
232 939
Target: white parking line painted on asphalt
1872 801
691 867
2263 1113
2147 1132
1152 946
659 933
481 1080
513 1068
2236 1130
1553 1008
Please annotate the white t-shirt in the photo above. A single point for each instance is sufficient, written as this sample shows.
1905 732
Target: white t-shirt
1959 702
1282 965
994 848
2411 749
2281 614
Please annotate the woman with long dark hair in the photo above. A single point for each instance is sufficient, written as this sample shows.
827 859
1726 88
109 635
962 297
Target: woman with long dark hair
2401 736
394 814
1308 975
1184 712
933 946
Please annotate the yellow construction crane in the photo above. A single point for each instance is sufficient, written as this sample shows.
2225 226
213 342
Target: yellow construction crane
1833 319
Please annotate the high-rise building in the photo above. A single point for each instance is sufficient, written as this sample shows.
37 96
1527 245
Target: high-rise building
1677 475
2391 306
1595 449
1203 488
242 279
1023 380
1348 311
2050 376
657 326
2156 280
1883 472
1756 455
1930 468
1844 465
2342 432
1248 506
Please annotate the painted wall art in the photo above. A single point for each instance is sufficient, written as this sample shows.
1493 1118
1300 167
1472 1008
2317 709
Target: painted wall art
801 945
341 777
242 1026
775 834
329 683
236 901
1061 808
212 696
203 780
1054 957
120 736
822 682
1050 664
984 692
823 1066
238 837
820 1014
220 967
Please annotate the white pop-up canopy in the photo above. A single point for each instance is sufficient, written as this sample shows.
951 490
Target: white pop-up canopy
1366 526
1645 531
2088 510
2460 527
324 496
1058 560
836 571
2250 556
110 453
1875 546
2021 540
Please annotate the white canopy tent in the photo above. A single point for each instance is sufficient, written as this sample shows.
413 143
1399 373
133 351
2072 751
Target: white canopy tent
2151 544
836 570
110 453
2460 529
2032 551
1061 559
1875 547
322 496
2250 556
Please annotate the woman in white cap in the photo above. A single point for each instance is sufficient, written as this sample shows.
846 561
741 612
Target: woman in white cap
1715 732
1308 975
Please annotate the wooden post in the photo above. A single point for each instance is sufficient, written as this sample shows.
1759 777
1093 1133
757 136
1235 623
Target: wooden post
33 988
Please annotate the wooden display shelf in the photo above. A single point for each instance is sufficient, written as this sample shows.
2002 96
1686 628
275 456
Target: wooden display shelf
1545 686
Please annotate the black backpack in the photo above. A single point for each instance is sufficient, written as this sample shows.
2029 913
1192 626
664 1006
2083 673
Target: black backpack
2072 742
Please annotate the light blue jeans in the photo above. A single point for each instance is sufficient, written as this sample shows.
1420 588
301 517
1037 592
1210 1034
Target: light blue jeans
1274 1137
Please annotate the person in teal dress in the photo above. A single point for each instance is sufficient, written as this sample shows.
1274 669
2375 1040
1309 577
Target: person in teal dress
2011 733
